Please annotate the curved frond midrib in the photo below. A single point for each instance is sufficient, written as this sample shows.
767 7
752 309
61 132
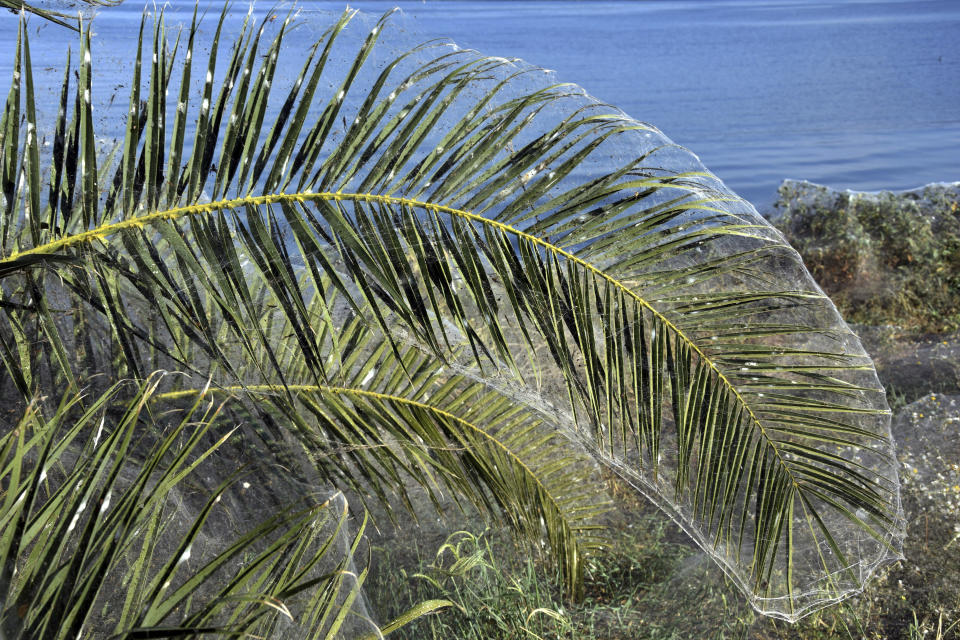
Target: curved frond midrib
351 391
138 222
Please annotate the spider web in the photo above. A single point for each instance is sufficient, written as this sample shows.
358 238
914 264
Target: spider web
539 385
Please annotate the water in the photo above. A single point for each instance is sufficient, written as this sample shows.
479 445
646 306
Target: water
855 94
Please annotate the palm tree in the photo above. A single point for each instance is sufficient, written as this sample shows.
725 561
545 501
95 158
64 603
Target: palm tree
429 269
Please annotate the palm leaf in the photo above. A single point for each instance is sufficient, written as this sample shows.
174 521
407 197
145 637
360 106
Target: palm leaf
373 427
95 539
515 232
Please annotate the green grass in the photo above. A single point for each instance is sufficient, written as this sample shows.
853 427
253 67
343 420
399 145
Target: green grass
631 592
654 585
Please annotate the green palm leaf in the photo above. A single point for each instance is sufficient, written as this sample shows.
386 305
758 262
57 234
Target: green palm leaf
101 535
399 417
551 253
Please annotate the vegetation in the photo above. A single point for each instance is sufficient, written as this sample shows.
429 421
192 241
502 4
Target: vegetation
652 584
397 283
885 258
60 17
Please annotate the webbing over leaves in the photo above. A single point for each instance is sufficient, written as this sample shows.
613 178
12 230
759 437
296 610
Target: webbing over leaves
563 257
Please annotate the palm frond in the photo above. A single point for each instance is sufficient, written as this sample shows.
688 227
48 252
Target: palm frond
381 420
99 534
543 245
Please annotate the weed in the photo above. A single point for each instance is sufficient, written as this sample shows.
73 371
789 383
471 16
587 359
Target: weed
883 258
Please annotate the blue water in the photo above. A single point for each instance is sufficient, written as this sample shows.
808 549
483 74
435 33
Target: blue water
855 94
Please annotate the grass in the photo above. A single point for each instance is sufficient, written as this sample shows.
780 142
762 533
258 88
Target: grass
502 595
652 584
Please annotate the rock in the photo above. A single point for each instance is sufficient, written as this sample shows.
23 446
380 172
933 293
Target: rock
927 433
911 366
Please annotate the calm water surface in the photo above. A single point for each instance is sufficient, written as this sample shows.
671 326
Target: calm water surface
855 94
